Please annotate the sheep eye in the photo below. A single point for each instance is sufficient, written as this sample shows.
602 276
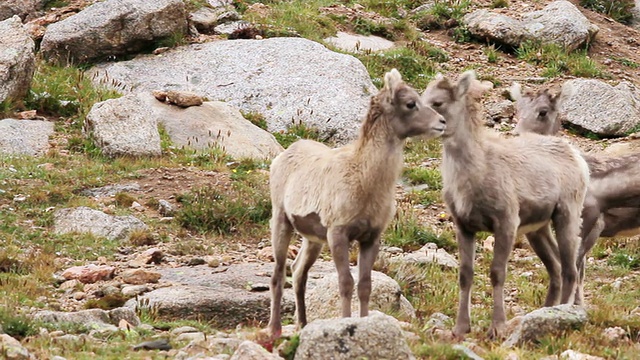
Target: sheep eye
437 104
411 104
542 113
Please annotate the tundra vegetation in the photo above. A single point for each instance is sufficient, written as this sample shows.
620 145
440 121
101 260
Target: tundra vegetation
30 250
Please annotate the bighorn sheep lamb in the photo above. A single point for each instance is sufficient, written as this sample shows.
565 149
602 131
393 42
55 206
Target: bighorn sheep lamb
612 204
339 195
507 186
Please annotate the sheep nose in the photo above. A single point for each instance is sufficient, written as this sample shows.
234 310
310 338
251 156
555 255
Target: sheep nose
443 121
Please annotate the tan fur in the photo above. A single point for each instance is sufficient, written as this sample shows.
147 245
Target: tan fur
339 195
612 204
505 186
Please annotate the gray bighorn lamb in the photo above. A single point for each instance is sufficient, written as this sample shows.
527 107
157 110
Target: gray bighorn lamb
507 186
612 204
335 196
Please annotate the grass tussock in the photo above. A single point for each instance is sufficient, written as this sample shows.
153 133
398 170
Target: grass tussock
557 61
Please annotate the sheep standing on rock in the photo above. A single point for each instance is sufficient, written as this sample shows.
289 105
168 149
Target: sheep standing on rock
612 205
338 195
507 186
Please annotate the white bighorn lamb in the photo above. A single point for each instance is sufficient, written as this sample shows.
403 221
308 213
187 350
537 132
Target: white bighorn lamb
612 204
335 196
507 186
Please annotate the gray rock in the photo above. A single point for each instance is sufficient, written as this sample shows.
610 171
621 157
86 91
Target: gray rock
560 23
112 28
248 350
635 12
84 219
17 60
21 8
92 318
547 321
323 299
182 330
574 355
428 254
468 353
220 3
165 208
377 336
231 27
12 349
124 126
206 19
284 79
486 24
110 190
190 336
24 137
134 290
356 43
599 107
214 124
160 344
221 296
498 111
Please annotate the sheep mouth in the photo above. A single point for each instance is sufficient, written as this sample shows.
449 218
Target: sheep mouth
438 128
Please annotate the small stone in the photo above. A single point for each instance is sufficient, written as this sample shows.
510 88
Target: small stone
134 290
184 98
153 255
488 243
615 333
183 329
137 206
139 276
160 344
165 208
191 336
27 115
124 325
89 273
71 285
160 50
213 262
79 295
259 287
196 262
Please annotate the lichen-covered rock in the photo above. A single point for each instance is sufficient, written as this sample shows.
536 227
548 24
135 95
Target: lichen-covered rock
377 336
21 8
84 219
124 127
603 109
25 137
11 349
248 350
17 59
323 297
547 321
92 318
112 28
560 23
317 87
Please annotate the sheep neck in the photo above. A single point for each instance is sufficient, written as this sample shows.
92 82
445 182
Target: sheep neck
464 156
378 155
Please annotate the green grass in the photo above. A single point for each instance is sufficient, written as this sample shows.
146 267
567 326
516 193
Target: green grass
499 4
407 232
618 10
65 92
556 61
492 54
297 131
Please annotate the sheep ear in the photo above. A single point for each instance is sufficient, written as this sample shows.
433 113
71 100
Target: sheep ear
555 97
392 79
515 91
464 83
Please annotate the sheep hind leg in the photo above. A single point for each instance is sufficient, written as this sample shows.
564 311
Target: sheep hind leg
505 238
306 258
366 258
339 245
281 233
567 222
466 252
545 247
587 244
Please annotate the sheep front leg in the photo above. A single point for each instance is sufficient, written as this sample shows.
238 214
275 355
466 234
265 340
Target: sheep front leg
281 232
339 245
546 248
587 244
366 258
466 251
505 238
307 256
567 223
